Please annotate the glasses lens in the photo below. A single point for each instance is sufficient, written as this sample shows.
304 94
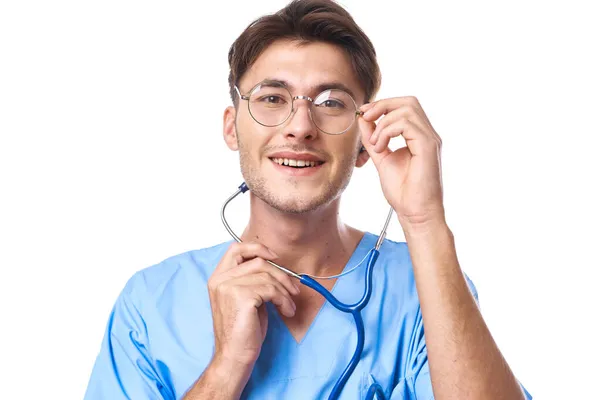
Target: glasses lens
270 105
334 111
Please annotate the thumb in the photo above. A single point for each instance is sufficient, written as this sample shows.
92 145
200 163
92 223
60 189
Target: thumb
366 130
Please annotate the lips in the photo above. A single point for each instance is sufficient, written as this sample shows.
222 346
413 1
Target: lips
297 168
290 162
296 160
296 156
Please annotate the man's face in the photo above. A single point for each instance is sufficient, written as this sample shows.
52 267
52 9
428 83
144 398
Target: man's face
306 69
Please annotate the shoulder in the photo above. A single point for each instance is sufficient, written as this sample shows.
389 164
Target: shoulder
396 270
395 258
395 249
176 272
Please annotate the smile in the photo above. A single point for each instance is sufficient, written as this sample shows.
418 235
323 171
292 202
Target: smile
296 163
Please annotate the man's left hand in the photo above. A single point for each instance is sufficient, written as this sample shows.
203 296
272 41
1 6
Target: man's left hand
411 176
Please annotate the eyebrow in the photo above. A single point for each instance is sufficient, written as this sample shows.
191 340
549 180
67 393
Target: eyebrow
316 89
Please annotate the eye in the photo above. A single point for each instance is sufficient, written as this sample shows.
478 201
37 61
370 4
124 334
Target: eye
272 99
331 103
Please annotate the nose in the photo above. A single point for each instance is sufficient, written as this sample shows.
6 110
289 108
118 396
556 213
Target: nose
300 125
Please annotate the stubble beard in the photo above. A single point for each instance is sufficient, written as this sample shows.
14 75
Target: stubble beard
259 187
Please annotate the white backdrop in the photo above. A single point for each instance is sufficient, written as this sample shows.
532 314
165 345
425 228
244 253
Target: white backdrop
112 159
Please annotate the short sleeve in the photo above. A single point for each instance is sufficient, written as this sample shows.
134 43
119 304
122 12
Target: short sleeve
123 368
417 384
472 288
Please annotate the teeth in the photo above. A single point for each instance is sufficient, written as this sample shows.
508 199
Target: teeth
295 163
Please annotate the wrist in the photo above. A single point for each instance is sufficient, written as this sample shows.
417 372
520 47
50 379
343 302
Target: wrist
423 220
230 372
424 227
221 380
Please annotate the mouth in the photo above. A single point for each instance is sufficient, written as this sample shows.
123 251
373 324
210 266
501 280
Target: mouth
294 163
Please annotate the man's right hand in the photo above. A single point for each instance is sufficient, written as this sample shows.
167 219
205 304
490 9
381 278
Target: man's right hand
239 288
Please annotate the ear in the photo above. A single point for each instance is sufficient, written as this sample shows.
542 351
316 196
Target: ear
363 157
229 132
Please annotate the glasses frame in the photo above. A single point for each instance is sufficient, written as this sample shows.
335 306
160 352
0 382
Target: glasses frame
357 112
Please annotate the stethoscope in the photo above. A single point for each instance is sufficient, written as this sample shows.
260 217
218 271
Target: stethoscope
375 389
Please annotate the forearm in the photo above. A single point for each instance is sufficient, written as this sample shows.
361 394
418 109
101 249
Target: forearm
464 360
220 380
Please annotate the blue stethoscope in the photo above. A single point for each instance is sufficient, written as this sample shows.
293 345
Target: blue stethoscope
375 389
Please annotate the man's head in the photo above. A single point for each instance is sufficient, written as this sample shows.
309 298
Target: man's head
303 49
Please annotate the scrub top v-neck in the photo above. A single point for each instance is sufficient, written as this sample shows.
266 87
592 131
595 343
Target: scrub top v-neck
159 336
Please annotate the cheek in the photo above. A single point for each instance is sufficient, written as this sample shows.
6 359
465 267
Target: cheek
256 138
348 150
252 142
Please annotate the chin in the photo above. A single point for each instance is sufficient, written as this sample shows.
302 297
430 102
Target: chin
296 206
292 201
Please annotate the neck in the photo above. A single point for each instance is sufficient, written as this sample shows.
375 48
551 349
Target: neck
315 242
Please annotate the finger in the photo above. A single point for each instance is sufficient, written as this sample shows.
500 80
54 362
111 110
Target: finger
384 106
416 140
263 288
394 129
406 112
257 265
284 303
239 252
366 129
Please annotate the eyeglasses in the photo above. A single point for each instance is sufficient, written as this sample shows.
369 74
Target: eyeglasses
333 111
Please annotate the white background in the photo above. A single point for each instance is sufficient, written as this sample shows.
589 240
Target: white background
112 159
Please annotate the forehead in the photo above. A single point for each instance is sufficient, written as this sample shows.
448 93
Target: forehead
304 67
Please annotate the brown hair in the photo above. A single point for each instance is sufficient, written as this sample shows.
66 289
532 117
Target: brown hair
307 21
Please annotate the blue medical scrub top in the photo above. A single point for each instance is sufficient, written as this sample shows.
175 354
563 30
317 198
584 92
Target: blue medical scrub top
159 336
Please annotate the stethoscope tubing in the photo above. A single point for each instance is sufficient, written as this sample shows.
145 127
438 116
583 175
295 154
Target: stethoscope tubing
354 309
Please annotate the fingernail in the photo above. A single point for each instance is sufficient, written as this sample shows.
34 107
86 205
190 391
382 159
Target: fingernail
297 288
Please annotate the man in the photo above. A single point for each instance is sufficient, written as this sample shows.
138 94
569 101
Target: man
222 323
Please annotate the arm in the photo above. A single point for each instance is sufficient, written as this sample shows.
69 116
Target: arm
221 380
464 361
